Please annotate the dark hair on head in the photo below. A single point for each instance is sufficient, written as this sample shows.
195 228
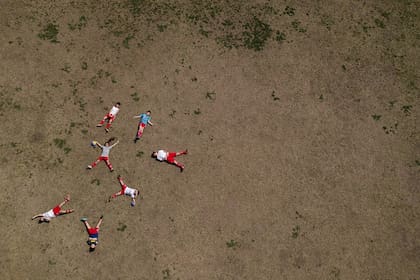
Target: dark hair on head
110 140
91 249
153 155
148 111
119 103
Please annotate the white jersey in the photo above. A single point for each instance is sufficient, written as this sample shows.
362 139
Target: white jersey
130 192
49 215
161 155
114 111
105 151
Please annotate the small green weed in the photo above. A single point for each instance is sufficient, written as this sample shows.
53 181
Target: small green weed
280 36
60 142
139 154
211 95
297 26
172 114
232 244
290 11
95 181
84 131
126 41
49 33
256 34
274 97
66 68
84 65
379 23
166 274
406 109
295 232
376 117
122 227
162 27
417 162
197 112
82 23
135 96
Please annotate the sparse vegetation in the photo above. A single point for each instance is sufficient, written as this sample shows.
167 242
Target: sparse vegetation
49 33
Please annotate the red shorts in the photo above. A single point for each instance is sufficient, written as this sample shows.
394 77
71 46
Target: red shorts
57 210
123 187
142 125
171 157
93 231
103 158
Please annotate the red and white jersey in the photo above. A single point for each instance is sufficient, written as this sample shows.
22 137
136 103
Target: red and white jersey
161 155
114 111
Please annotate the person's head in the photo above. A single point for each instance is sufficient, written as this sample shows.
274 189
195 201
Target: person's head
92 247
154 154
107 143
148 112
43 220
118 104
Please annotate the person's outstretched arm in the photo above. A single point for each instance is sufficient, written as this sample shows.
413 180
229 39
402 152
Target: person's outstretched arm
115 144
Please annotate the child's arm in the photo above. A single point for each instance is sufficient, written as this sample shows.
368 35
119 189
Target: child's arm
150 123
115 144
99 222
99 145
136 117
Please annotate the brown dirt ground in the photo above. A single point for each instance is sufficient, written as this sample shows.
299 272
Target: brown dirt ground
304 148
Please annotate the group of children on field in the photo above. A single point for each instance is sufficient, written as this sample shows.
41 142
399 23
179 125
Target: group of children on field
160 155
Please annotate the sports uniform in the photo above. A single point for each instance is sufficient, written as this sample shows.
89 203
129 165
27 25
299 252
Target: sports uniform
110 117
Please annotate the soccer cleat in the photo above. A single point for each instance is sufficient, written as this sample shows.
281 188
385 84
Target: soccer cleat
89 167
98 125
83 219
106 130
102 216
182 168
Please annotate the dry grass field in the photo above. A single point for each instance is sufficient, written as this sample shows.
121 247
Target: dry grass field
300 117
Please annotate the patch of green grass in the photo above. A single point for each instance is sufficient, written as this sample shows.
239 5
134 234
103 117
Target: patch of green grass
79 25
126 41
49 33
229 41
51 262
172 114
232 244
417 162
84 65
84 131
211 95
379 23
60 143
327 21
122 227
135 6
297 26
166 274
135 96
406 109
139 154
67 150
290 11
256 34
66 68
376 117
295 232
161 27
197 112
280 36
95 181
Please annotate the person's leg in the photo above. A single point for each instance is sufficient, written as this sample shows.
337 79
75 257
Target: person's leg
95 163
110 120
108 163
140 130
84 220
181 153
180 165
37 216
106 117
62 212
66 199
98 225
